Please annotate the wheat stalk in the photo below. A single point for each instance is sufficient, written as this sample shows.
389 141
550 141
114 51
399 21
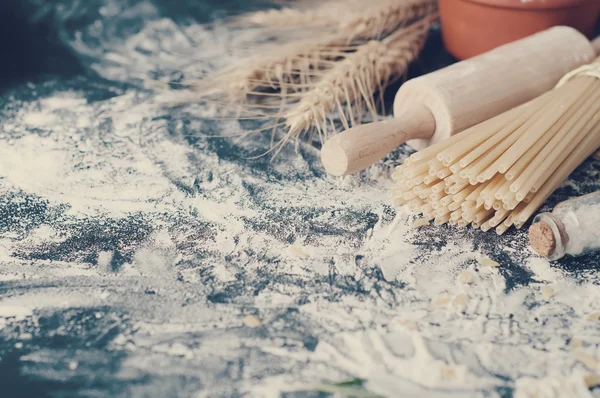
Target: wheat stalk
289 68
348 17
350 86
278 69
332 75
291 17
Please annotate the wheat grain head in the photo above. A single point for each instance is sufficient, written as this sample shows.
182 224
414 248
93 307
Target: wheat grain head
283 69
350 86
290 67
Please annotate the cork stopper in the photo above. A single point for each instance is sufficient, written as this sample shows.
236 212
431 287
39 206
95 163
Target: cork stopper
542 239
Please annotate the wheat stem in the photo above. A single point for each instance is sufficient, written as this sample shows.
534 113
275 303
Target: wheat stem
332 75
355 80
280 67
349 17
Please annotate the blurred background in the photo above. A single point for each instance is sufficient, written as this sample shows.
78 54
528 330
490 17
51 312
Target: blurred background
34 43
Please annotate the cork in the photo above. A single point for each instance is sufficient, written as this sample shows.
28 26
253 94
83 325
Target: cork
542 239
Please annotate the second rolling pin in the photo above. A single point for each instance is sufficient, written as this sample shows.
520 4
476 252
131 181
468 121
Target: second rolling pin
433 107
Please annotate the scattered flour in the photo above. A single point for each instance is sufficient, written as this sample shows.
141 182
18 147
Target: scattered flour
543 270
104 260
14 311
415 330
555 386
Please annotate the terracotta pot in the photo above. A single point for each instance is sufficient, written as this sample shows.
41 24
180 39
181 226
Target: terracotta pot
471 27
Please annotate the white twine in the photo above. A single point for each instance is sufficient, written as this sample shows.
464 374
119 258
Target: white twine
592 70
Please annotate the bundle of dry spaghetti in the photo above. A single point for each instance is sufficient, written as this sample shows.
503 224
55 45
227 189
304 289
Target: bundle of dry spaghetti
327 79
498 173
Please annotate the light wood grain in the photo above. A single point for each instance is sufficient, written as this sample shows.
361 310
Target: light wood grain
361 146
471 91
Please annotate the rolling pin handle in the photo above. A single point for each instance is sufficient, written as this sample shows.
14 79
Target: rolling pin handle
359 147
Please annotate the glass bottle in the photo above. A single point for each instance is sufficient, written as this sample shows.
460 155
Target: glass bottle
572 228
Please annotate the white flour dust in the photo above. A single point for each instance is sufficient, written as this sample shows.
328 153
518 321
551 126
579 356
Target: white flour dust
339 284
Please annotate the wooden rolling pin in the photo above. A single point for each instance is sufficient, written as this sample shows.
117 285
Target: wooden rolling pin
433 107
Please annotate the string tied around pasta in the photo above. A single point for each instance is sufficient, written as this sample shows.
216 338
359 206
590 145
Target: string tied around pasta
592 70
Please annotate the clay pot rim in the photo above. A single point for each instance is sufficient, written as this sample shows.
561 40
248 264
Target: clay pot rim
531 4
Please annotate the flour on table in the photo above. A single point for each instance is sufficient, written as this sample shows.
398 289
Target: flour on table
262 276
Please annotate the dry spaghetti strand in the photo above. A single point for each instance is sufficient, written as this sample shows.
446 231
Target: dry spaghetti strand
498 173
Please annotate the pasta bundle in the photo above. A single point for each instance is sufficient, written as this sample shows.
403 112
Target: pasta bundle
499 172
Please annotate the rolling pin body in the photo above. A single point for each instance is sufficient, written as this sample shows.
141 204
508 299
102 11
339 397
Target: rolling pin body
462 95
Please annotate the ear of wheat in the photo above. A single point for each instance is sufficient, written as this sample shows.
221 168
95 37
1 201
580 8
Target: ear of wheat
348 87
277 65
332 73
